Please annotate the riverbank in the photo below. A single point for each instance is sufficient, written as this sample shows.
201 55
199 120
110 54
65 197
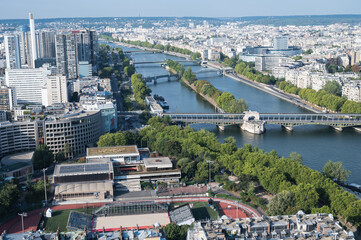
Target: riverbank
205 97
187 57
270 90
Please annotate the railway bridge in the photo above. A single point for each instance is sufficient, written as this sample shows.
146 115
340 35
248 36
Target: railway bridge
287 120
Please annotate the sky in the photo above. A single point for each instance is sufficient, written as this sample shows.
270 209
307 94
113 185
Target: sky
19 9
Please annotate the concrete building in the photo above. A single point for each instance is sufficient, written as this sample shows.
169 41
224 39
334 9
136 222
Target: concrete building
269 62
80 130
109 114
28 83
12 50
33 40
55 91
45 44
117 155
18 136
66 55
280 43
7 98
83 182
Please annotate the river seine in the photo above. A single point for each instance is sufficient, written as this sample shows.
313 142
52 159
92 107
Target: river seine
316 144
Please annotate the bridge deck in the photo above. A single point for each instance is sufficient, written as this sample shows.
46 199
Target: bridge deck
287 119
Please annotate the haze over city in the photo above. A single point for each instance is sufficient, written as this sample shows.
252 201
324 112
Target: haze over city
167 8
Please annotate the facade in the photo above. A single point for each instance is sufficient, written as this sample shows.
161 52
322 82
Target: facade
56 90
280 43
18 136
12 50
80 130
108 112
267 63
45 42
33 39
66 55
28 83
17 170
85 69
7 98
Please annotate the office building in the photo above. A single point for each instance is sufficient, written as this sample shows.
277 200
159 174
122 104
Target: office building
28 83
280 43
45 42
7 98
12 50
55 91
85 69
66 55
33 39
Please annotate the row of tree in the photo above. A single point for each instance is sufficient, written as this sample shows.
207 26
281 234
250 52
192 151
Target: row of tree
326 97
224 100
247 69
287 178
168 48
140 90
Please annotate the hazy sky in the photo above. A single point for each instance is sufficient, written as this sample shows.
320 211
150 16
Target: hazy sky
200 8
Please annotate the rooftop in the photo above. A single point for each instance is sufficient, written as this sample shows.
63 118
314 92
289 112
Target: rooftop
181 214
16 158
10 168
117 150
88 187
160 162
82 168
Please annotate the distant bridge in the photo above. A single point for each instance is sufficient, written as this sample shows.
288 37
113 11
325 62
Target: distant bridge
164 62
155 78
288 120
142 51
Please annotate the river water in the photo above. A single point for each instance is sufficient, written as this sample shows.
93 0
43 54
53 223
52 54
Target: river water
316 144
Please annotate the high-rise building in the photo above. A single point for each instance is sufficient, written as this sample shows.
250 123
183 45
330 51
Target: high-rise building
66 55
7 98
87 45
33 39
28 83
280 43
55 91
45 42
12 49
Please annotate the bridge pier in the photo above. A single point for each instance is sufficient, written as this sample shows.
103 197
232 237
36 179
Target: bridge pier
288 128
338 129
221 127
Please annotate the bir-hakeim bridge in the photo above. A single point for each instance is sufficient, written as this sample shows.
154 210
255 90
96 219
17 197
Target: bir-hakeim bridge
254 122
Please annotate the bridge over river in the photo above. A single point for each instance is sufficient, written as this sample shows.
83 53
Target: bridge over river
287 120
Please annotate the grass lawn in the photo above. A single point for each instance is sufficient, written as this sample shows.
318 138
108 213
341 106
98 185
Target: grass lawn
200 210
60 219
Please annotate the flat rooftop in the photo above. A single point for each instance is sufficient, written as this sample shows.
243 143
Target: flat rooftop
159 163
117 150
24 157
82 169
73 188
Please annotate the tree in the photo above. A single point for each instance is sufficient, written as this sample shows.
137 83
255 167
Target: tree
60 157
174 232
129 70
119 139
332 87
281 202
42 157
306 197
106 140
224 99
296 157
335 170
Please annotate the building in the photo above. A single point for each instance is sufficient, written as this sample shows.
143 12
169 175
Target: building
45 44
269 62
108 112
55 91
16 170
18 136
7 98
33 39
85 181
12 50
66 55
79 129
280 43
117 155
85 69
28 83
